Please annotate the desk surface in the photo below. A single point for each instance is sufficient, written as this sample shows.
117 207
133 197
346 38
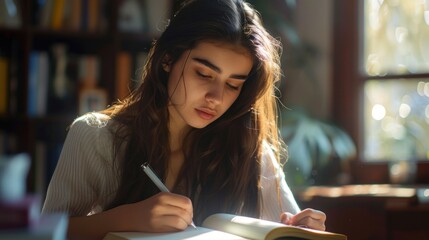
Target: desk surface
375 211
420 193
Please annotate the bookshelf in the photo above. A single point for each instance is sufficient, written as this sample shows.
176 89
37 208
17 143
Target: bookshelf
57 58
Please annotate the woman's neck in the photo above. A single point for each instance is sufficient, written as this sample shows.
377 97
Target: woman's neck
178 129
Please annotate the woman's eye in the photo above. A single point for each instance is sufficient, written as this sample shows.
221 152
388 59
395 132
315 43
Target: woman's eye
233 87
203 75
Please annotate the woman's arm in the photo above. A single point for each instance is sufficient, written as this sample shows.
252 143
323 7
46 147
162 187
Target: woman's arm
164 212
276 196
84 179
84 182
278 200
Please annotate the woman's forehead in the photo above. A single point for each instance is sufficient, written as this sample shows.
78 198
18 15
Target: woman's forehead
224 54
237 47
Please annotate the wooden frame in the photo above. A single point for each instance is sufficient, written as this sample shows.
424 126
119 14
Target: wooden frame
348 82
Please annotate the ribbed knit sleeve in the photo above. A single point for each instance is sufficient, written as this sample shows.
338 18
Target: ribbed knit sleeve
84 180
275 201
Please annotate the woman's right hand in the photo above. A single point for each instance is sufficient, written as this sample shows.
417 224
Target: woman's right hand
163 212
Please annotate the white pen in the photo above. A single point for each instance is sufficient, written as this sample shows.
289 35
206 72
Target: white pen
155 179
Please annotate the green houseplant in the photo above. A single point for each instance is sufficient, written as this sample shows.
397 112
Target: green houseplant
317 150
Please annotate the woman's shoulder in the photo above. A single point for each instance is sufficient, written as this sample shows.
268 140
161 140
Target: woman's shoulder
93 132
92 126
94 122
270 163
93 119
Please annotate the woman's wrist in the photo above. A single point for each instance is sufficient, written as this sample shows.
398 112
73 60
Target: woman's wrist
95 226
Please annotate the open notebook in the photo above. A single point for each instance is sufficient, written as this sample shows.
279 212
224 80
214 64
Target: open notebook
226 227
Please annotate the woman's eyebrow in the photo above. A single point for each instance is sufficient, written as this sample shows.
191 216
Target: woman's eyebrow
207 63
215 68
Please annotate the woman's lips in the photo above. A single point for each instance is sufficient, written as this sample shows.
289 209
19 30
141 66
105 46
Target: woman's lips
205 113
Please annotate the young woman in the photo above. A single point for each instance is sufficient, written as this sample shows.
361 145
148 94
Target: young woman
203 118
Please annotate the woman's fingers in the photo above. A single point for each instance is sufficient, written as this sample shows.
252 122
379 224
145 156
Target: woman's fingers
163 212
310 218
170 223
312 223
171 204
286 218
177 201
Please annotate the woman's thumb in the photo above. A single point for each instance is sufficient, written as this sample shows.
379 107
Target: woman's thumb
286 218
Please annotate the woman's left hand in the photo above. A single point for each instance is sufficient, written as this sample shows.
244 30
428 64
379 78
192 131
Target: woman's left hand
310 218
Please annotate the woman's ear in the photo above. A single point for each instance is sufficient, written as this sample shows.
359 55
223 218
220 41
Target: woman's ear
166 67
166 63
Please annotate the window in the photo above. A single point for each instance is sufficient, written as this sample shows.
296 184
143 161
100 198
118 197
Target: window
381 83
396 108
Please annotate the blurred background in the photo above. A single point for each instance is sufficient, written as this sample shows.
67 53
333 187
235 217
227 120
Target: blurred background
354 94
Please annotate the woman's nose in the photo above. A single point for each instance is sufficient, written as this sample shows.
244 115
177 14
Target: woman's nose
214 94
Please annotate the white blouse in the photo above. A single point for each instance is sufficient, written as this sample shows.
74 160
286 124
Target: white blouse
84 181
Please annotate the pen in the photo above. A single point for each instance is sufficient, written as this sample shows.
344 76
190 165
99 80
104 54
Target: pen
155 179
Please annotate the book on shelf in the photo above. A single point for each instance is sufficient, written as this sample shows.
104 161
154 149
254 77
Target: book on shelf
57 14
227 226
123 74
57 78
42 83
45 8
33 65
88 71
93 15
76 15
38 83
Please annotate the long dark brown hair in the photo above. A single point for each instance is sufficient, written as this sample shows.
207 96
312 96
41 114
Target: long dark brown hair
222 164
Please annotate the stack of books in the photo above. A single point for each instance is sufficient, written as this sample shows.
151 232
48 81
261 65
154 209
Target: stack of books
20 212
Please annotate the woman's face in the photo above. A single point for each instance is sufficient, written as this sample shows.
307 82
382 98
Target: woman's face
205 81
